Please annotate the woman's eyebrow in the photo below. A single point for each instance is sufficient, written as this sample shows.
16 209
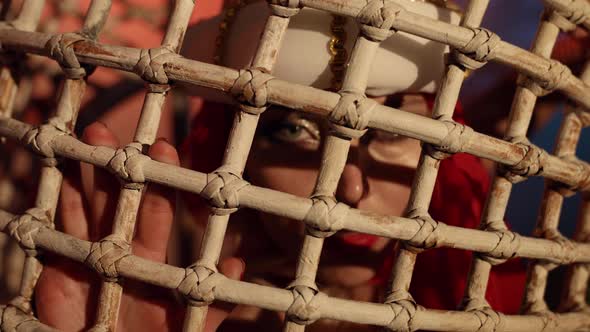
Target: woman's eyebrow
275 113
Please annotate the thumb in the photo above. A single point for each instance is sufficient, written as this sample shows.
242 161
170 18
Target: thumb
232 268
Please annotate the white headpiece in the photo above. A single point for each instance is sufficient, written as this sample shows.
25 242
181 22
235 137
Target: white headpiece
403 62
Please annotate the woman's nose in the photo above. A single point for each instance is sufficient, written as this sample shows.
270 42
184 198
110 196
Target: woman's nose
351 187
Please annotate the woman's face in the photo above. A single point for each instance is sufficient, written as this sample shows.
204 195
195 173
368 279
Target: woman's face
377 177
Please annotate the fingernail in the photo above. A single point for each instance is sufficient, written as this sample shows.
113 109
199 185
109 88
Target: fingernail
243 268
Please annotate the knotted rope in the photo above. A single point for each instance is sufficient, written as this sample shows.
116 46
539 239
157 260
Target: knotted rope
128 163
404 309
198 284
582 177
480 49
489 319
562 22
39 139
222 191
507 246
556 74
306 306
23 303
325 216
151 64
377 18
577 12
457 138
351 115
285 8
22 228
11 318
428 235
566 249
105 254
549 319
530 165
61 48
251 88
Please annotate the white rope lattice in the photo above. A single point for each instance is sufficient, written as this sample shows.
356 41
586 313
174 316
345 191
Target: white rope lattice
350 114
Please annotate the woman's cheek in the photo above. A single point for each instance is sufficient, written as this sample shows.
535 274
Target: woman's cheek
296 181
283 167
299 181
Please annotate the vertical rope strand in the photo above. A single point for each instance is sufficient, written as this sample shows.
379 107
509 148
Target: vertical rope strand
428 165
547 225
334 157
236 153
494 211
131 192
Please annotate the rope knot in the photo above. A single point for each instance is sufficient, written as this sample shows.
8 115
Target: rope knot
489 319
285 8
530 165
22 228
39 138
457 137
480 49
198 284
404 310
151 63
377 18
222 191
550 320
557 74
582 176
13 318
105 255
428 235
251 87
578 12
325 217
531 85
23 303
351 115
507 246
128 162
562 22
566 251
306 306
61 48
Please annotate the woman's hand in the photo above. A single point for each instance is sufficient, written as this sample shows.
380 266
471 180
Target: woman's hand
67 292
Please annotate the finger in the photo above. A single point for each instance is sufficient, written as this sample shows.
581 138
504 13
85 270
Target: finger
233 268
72 206
156 213
104 194
62 286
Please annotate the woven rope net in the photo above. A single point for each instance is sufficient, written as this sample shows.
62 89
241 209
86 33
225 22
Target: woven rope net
351 113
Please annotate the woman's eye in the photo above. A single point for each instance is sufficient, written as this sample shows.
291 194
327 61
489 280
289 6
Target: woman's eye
289 132
298 131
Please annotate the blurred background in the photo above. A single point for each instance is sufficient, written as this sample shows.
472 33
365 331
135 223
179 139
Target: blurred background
116 98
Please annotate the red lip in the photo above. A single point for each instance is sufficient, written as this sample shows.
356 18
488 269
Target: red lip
358 239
